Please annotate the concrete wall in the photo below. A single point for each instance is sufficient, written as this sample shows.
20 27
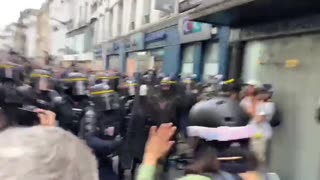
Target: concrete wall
295 152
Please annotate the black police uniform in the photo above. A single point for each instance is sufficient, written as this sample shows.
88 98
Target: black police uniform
102 128
75 102
12 97
41 94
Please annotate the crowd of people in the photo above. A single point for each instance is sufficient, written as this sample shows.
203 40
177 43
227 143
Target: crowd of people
75 124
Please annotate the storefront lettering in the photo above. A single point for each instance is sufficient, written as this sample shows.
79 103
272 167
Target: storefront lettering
150 38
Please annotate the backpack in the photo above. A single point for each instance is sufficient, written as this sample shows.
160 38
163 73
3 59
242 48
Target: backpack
277 118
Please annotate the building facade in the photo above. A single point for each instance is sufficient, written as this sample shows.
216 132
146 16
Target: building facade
43 39
280 49
162 36
7 37
137 39
59 19
31 33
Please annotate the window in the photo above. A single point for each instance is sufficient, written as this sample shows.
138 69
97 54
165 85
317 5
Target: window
120 18
133 15
103 27
97 32
111 23
80 16
187 59
210 60
146 11
146 19
86 12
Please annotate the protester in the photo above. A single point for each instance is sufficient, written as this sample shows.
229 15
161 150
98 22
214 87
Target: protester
159 144
248 103
43 152
261 120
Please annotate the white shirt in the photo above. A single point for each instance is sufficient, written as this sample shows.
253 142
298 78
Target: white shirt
266 109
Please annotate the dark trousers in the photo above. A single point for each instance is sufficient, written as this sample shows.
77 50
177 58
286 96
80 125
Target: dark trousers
106 173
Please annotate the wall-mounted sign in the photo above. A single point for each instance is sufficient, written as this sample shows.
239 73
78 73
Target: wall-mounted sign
292 63
156 36
191 31
190 27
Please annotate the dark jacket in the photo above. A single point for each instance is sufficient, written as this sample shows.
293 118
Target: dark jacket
70 113
101 131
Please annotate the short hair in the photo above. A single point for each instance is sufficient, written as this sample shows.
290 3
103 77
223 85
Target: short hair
39 153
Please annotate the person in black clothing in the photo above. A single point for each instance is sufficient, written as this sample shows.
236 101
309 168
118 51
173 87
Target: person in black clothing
41 93
75 101
153 107
102 129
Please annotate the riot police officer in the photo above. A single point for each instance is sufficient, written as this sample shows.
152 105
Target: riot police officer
12 94
41 94
102 128
75 101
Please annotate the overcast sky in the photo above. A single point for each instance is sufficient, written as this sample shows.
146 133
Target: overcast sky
10 9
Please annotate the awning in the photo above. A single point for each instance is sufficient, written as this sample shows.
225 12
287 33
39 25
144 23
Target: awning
237 13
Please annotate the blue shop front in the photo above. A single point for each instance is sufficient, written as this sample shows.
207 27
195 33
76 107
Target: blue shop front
163 49
203 49
136 60
113 55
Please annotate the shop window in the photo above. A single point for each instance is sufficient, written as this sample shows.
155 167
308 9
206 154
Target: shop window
120 18
211 64
187 59
114 63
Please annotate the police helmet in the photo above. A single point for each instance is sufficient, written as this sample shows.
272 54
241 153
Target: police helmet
104 97
11 72
167 84
41 80
77 83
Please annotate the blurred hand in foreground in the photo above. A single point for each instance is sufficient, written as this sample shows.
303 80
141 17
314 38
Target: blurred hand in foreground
159 143
47 118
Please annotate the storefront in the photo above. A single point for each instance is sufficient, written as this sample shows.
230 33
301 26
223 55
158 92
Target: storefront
199 53
98 62
163 50
135 57
113 60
